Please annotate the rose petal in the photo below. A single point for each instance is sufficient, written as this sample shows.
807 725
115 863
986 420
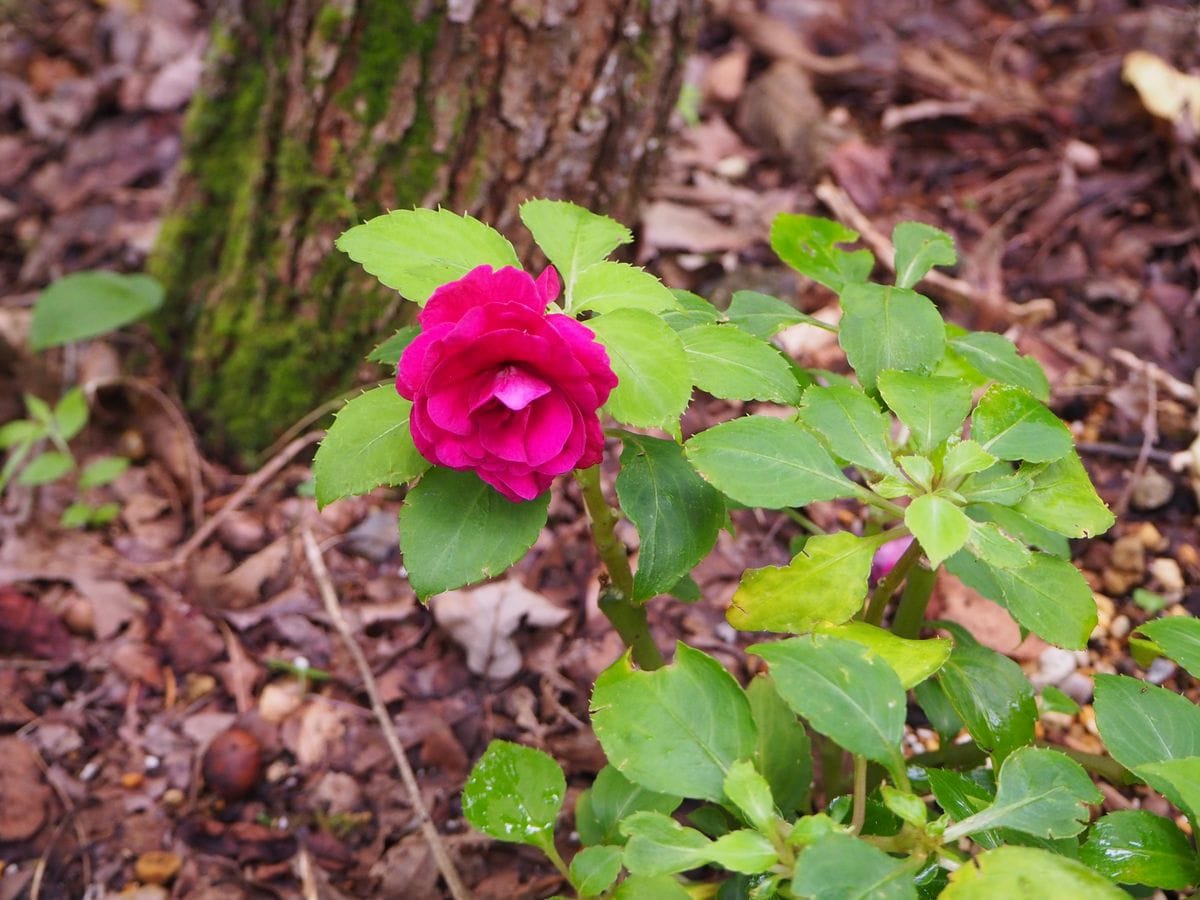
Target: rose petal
481 286
550 425
516 388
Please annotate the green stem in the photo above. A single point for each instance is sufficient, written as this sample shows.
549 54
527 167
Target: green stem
552 853
868 496
627 616
804 521
910 611
858 813
887 587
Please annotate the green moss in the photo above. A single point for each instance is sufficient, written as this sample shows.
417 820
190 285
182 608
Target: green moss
391 35
329 23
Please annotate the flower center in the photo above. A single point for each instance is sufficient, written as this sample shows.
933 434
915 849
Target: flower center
516 388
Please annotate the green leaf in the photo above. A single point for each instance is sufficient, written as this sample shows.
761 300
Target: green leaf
841 867
1050 597
1063 499
995 357
940 526
784 752
920 247
745 851
654 382
368 445
1179 638
71 413
416 251
889 328
1055 701
77 515
390 351
727 362
1181 775
677 513
675 730
964 458
1039 792
1021 527
825 582
851 425
991 695
1142 724
88 304
763 315
1009 872
919 469
908 807
514 794
455 530
844 691
997 484
20 431
1137 847
612 797
104 513
49 466
606 286
658 845
572 238
932 699
761 461
809 245
693 310
751 794
990 545
657 887
40 410
913 660
932 407
594 869
960 797
102 471
1010 423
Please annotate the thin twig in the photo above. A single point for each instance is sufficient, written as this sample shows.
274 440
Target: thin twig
1149 438
333 608
1181 391
313 415
252 485
1123 451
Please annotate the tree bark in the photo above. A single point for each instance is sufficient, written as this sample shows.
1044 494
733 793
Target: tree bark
317 114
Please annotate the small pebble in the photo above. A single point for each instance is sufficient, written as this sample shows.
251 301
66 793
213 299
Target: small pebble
1120 628
1151 490
232 763
1129 554
1160 670
1054 665
1168 574
157 866
173 798
1078 687
1152 538
132 780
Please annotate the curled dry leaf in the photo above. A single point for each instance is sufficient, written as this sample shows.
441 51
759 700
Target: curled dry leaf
1164 90
482 621
24 797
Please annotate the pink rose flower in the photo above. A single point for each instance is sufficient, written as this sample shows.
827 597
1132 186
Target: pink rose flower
501 388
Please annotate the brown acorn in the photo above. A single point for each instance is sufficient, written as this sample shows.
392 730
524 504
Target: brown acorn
232 763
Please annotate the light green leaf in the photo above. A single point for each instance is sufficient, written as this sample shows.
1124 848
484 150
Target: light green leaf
416 251
77 515
1179 638
920 247
965 458
658 845
932 407
88 304
390 351
913 660
1134 846
102 471
1183 777
762 461
1056 701
998 484
1009 872
989 544
784 752
71 413
646 887
594 869
995 357
20 431
751 794
940 526
809 245
919 469
676 730
514 794
368 445
851 425
745 851
572 238
677 513
612 797
841 867
49 466
1010 423
889 328
654 382
844 691
727 362
484 536
606 286
825 582
765 316
909 807
1039 792
1063 499
991 695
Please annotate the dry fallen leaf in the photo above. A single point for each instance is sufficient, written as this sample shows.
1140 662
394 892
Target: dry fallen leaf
482 621
1164 90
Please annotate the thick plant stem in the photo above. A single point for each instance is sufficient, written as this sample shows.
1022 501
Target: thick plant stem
887 587
910 612
616 599
858 814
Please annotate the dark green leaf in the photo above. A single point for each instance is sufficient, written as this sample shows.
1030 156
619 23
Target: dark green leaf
1055 701
727 362
931 697
762 461
933 408
514 794
889 328
920 247
991 695
1137 847
841 867
483 536
88 304
1181 775
1010 423
675 730
610 799
390 351
784 752
1050 597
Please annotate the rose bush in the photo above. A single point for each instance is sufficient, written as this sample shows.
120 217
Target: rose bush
502 388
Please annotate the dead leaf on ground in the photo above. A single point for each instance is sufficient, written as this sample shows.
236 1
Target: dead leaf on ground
482 621
1164 90
24 796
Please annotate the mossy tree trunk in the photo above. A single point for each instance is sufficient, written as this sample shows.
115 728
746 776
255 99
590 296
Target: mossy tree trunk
316 114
